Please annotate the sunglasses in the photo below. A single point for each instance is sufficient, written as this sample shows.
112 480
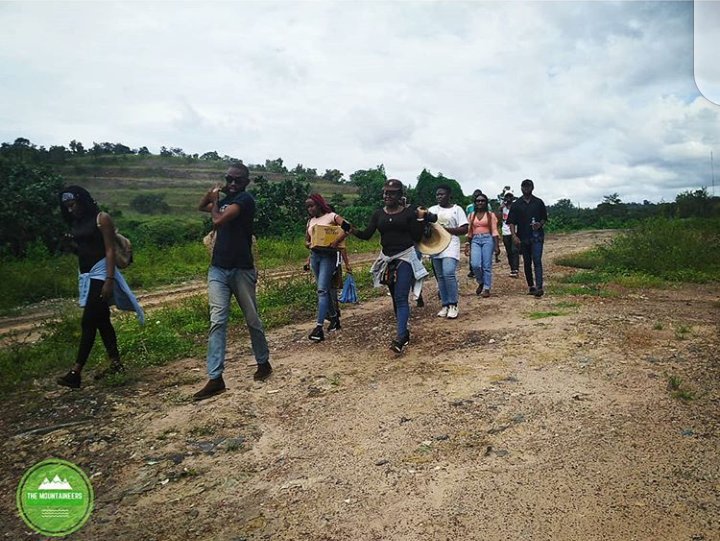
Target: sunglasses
391 193
237 180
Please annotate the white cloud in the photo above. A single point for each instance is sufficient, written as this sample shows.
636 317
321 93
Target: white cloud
585 98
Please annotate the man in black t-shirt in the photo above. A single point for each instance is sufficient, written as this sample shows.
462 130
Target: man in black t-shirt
527 219
232 272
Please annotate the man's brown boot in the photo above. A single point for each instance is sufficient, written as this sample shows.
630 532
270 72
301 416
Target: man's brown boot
212 388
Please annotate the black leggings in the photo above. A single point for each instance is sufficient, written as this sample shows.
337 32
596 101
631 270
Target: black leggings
96 316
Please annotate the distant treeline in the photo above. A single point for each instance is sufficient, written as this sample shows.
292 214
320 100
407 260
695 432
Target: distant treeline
30 181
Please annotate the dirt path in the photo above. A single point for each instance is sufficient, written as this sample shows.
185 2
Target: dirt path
26 328
496 426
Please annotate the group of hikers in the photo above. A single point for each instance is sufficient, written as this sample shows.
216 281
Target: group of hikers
232 272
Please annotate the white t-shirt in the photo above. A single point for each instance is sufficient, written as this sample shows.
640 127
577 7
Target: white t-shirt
505 225
450 217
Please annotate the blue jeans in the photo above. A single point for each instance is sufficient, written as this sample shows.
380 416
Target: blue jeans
481 258
446 273
222 283
532 257
401 292
323 267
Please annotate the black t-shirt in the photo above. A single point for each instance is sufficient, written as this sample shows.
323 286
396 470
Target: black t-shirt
522 213
398 232
233 244
90 243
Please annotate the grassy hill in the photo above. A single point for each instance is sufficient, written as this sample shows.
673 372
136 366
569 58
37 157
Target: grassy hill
115 180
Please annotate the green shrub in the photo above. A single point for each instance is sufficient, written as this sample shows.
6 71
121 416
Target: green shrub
672 249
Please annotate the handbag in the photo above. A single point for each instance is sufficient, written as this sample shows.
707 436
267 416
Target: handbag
209 241
122 248
349 290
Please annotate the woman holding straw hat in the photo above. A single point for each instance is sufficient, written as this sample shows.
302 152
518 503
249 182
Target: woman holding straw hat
398 265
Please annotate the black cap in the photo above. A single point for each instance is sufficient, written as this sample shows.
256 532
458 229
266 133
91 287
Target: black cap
393 184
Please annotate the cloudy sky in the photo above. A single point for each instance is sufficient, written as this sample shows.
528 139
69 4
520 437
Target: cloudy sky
587 99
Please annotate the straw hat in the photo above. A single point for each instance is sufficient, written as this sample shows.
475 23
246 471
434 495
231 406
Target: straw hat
438 240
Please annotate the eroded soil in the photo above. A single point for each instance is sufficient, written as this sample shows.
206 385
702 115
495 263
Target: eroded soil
495 426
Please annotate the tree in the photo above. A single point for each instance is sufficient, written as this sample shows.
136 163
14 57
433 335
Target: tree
57 154
150 203
333 175
212 155
275 166
337 201
427 187
697 203
612 199
369 183
280 205
165 152
143 151
29 201
77 148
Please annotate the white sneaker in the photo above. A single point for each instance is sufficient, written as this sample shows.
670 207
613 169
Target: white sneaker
443 312
452 311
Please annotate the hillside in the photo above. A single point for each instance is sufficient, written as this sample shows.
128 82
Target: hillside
116 180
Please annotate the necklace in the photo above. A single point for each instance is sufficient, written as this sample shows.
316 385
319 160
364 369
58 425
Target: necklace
391 213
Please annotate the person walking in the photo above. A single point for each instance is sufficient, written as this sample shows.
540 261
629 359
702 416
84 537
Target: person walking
527 219
232 273
469 209
454 220
324 262
92 237
482 243
398 265
512 251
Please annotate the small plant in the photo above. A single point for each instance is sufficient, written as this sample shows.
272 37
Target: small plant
679 390
200 431
541 315
658 326
682 332
589 259
566 304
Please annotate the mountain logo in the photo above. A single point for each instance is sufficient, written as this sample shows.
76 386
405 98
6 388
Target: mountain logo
55 497
55 484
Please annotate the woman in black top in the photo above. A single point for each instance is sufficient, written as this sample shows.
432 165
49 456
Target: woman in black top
398 265
93 236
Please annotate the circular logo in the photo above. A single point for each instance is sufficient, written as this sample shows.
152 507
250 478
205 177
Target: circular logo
55 497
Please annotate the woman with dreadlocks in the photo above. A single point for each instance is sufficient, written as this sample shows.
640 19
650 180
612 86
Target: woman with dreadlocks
100 282
324 262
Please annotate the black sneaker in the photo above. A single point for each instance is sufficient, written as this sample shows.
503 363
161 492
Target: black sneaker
399 345
471 274
531 291
334 324
317 335
71 379
539 292
212 387
263 372
420 301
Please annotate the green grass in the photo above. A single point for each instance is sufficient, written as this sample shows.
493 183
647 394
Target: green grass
41 277
655 252
674 250
542 315
170 333
589 259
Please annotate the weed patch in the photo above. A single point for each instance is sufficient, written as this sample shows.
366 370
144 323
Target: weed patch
542 315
